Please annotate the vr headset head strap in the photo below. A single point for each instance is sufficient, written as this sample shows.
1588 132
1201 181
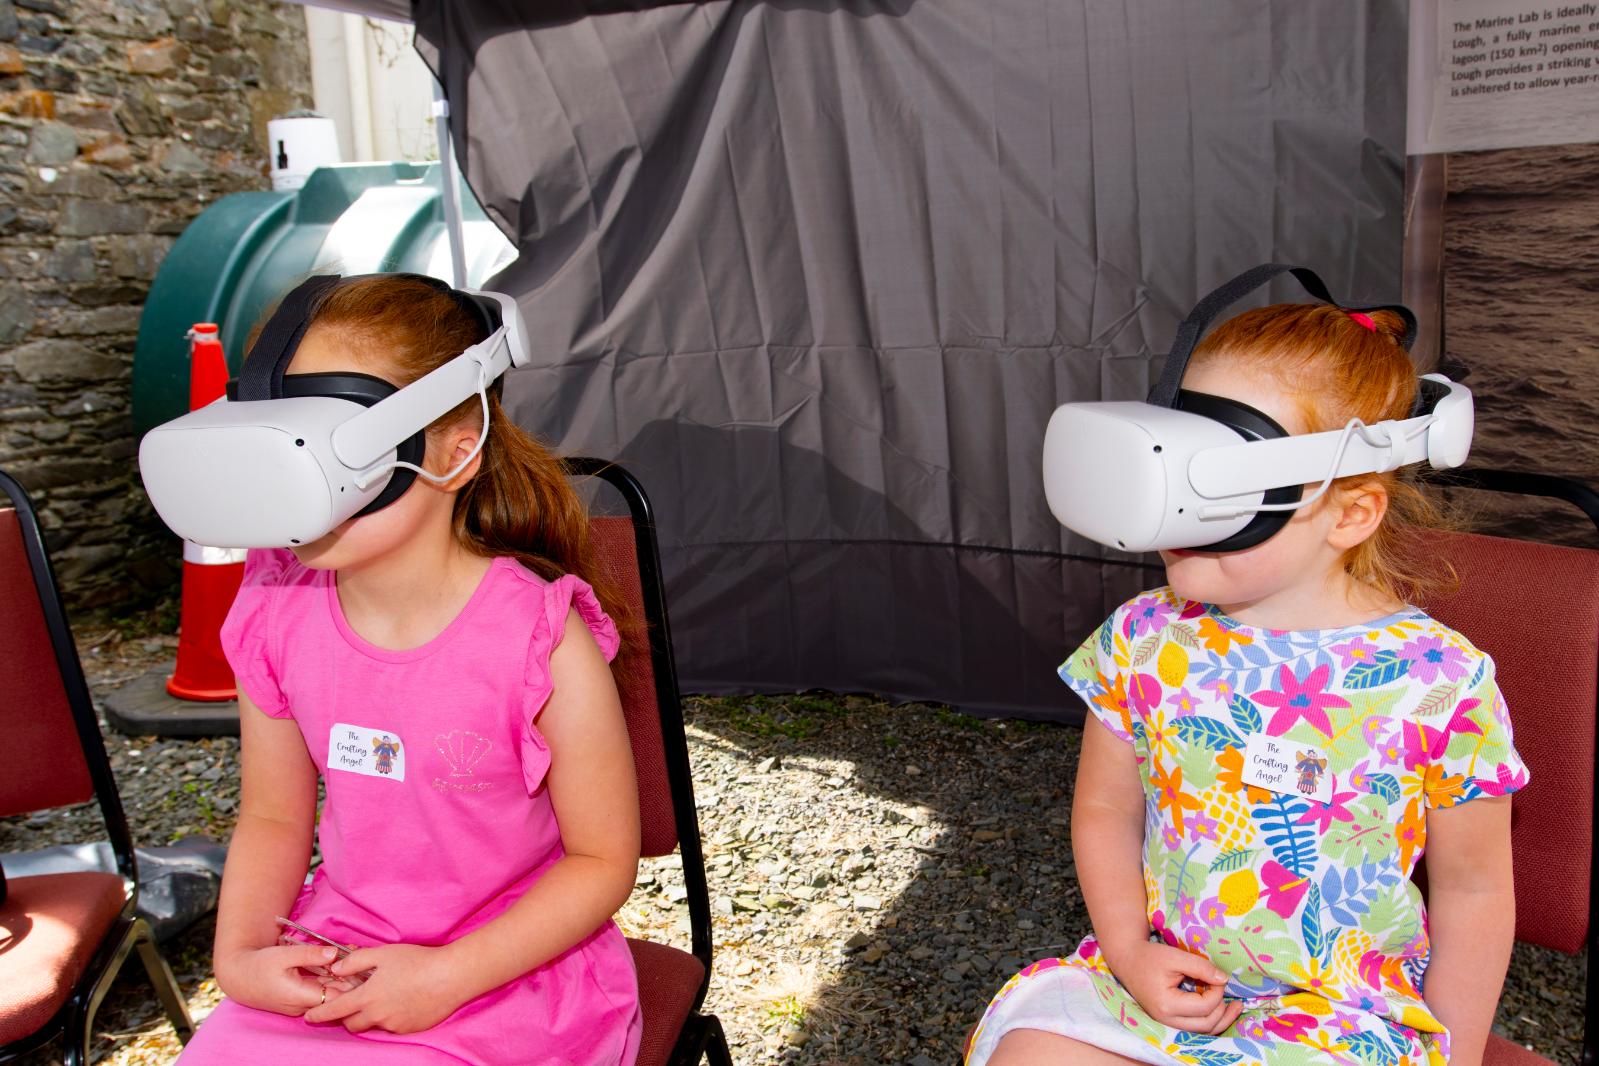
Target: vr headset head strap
485 312
261 377
1164 394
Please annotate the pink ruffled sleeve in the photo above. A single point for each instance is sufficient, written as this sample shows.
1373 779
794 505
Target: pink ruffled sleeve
561 596
246 632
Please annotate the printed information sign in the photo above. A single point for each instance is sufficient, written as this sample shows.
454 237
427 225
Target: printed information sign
1502 74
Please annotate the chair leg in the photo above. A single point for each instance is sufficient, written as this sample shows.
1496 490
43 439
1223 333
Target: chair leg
78 1038
716 1049
74 1049
162 980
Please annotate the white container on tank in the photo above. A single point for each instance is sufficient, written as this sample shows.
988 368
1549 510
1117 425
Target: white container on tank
299 142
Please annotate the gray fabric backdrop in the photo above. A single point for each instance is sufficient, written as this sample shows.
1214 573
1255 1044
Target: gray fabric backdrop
818 273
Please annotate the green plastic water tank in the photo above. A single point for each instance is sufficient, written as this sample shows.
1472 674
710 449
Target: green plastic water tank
247 250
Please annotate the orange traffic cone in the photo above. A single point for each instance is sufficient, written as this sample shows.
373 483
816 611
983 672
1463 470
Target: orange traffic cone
211 576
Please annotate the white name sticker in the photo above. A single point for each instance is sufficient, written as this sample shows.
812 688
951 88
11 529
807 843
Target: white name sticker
361 749
1288 767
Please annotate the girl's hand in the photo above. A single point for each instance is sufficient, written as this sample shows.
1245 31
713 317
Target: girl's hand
276 979
410 988
1153 973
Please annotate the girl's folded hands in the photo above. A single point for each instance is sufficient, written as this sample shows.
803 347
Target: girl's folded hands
409 988
280 978
1154 974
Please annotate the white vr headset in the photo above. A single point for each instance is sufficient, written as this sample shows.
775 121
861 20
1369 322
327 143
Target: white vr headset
1190 470
284 459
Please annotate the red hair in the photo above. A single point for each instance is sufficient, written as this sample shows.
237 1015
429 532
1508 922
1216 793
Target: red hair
1336 368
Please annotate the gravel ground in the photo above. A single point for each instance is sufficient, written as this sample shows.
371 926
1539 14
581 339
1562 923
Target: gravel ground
876 872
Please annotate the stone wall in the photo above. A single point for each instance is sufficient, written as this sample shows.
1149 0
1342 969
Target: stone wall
120 120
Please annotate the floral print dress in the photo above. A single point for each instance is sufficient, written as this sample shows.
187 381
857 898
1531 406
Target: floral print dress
1306 902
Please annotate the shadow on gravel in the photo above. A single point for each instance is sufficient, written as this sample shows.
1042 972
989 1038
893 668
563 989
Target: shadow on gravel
988 887
991 888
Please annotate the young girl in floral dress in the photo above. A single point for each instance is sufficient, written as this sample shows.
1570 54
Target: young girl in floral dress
1233 924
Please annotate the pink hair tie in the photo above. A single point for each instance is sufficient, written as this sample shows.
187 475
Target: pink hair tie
1363 318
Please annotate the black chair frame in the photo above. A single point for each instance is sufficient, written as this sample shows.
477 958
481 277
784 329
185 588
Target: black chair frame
702 1034
75 1019
1527 483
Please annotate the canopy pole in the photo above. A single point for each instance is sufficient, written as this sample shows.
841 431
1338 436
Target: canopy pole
450 175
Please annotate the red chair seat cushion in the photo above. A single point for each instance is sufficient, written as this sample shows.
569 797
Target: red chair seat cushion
1502 1052
668 980
50 926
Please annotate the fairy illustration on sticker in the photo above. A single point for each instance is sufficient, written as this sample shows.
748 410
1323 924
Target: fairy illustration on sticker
1310 766
385 749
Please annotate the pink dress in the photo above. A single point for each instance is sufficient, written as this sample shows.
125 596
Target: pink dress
437 818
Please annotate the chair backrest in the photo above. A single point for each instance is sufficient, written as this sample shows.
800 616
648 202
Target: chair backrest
635 681
45 766
647 680
57 755
1535 609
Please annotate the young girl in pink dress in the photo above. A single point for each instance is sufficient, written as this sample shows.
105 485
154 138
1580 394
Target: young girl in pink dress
441 664
1249 921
